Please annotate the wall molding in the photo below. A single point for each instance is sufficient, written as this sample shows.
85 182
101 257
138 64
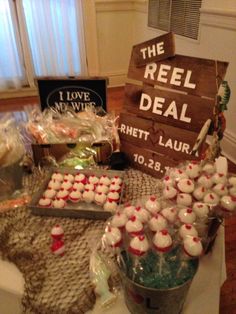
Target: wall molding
121 5
116 78
228 145
218 18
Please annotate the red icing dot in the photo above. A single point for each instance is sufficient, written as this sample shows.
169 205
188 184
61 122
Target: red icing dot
189 182
233 198
203 189
153 198
138 208
195 239
200 206
141 238
133 218
221 174
189 210
211 196
222 189
164 232
188 227
167 178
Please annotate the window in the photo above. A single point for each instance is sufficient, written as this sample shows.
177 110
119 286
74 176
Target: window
179 16
40 38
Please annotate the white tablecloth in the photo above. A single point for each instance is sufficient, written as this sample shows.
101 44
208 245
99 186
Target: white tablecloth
204 294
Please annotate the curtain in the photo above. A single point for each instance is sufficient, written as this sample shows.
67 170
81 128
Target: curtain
12 74
55 36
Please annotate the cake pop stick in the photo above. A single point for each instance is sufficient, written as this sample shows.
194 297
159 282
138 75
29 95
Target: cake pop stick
162 242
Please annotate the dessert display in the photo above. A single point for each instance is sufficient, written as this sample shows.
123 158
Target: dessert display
91 193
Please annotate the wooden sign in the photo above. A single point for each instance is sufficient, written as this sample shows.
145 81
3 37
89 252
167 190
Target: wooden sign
156 49
161 138
76 93
168 107
146 160
192 75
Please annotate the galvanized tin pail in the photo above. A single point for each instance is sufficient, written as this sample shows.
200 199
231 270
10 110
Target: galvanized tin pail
10 179
143 300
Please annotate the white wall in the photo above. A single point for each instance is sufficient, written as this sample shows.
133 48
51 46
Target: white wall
121 24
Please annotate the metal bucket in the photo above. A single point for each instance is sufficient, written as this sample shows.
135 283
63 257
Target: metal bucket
143 300
10 179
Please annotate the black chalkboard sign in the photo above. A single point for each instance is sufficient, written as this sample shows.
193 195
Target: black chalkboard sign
76 93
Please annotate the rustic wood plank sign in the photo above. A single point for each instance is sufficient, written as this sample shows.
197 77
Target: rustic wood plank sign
146 160
156 49
161 138
168 107
192 75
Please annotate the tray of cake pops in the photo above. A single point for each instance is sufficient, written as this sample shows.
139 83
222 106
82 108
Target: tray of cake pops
88 193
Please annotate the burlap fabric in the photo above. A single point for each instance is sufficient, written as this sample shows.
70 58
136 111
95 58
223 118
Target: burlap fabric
58 284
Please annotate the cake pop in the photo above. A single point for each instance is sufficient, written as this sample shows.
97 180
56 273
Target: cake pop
119 220
232 191
89 186
93 179
129 210
110 206
102 188
141 213
100 198
208 168
75 196
205 180
219 178
178 174
167 180
88 196
187 230
50 193
211 198
169 192
58 203
115 187
139 245
45 202
79 186
105 180
201 209
170 213
157 223
220 189
199 193
134 226
185 185
58 248
153 205
228 203
232 181
57 176
193 246
116 180
184 199
113 196
57 232
80 177
187 215
112 237
63 193
193 170
54 184
69 177
66 184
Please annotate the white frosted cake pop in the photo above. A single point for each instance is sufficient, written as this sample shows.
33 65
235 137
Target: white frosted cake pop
208 168
201 209
112 237
169 192
178 174
187 215
228 203
219 178
57 176
167 180
102 188
100 198
69 177
187 230
45 202
113 196
54 184
193 246
211 198
50 193
141 213
153 205
119 220
199 193
80 177
93 179
185 185
139 245
57 232
110 206
75 196
115 187
63 193
134 227
59 203
129 210
193 170
79 186
205 180
232 181
157 223
116 180
220 189
66 184
89 186
170 213
162 241
184 199
88 196
105 180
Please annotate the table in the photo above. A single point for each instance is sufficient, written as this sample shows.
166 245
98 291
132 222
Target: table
204 293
